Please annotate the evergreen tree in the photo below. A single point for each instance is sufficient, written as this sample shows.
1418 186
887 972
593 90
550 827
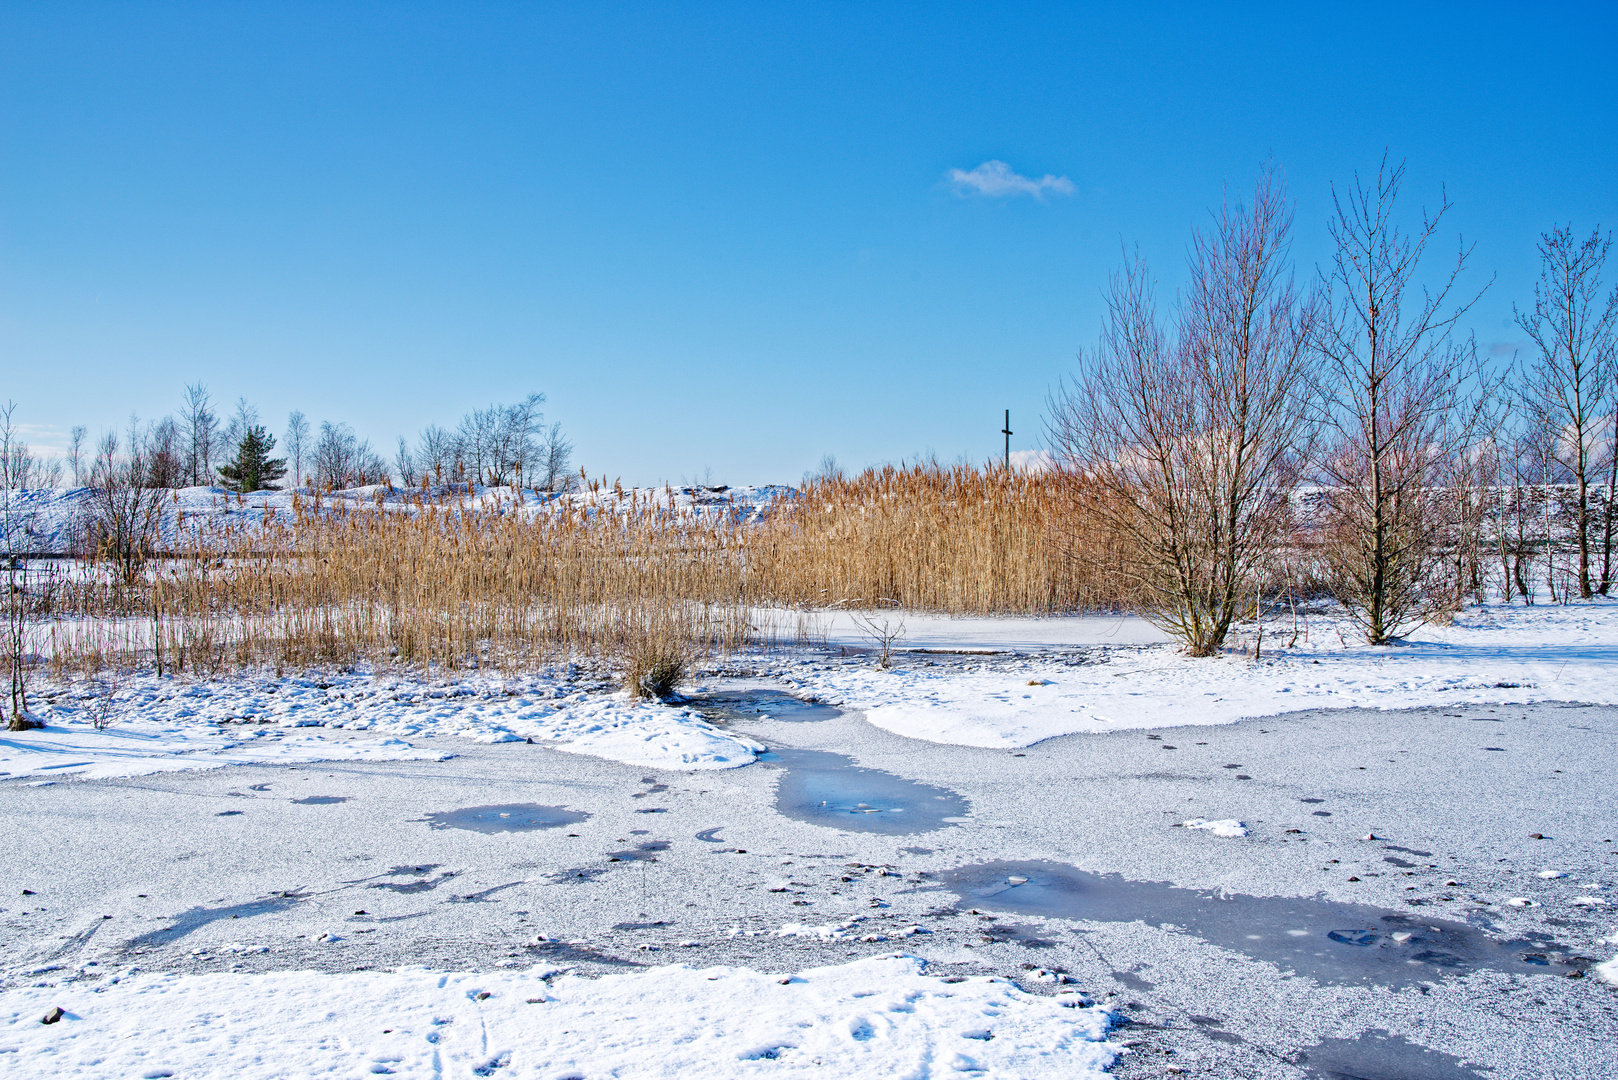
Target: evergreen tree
254 469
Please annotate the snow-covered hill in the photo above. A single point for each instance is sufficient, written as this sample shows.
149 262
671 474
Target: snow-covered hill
52 521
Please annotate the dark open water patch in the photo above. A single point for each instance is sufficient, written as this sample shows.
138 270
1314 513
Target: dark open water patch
322 800
829 789
762 705
1377 1055
1333 943
509 817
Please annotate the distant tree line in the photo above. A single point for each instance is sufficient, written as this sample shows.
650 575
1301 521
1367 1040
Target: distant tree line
196 446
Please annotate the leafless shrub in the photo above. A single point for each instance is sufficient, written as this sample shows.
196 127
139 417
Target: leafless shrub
884 631
23 470
125 507
103 696
1194 433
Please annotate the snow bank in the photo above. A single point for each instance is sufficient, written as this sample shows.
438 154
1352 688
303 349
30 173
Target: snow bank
164 724
141 748
1492 654
878 1018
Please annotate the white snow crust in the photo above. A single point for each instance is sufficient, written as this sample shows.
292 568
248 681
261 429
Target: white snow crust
875 1018
167 724
1491 654
1226 827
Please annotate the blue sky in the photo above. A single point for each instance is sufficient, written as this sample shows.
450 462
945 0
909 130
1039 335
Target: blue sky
718 237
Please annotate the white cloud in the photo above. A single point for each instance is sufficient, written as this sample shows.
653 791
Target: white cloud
995 179
1032 461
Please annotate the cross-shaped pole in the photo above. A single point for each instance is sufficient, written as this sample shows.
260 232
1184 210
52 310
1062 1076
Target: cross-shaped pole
1006 431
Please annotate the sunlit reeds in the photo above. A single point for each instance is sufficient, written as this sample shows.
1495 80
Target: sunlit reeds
643 586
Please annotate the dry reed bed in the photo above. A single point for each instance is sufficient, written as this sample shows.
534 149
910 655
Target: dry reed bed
452 585
958 541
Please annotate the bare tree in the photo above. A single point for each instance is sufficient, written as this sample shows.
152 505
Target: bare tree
243 420
297 444
1573 329
499 443
1392 382
404 463
1512 516
125 508
522 434
1194 433
1570 382
555 459
342 459
26 470
200 428
827 471
165 456
75 452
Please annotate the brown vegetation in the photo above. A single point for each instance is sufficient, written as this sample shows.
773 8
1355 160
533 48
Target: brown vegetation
647 589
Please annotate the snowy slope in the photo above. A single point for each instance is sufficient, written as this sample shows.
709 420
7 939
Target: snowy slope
49 521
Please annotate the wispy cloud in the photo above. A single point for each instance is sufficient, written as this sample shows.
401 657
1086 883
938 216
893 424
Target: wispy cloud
996 180
1505 348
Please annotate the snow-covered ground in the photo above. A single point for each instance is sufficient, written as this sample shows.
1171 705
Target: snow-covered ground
1491 654
874 1018
168 724
912 631
1305 814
